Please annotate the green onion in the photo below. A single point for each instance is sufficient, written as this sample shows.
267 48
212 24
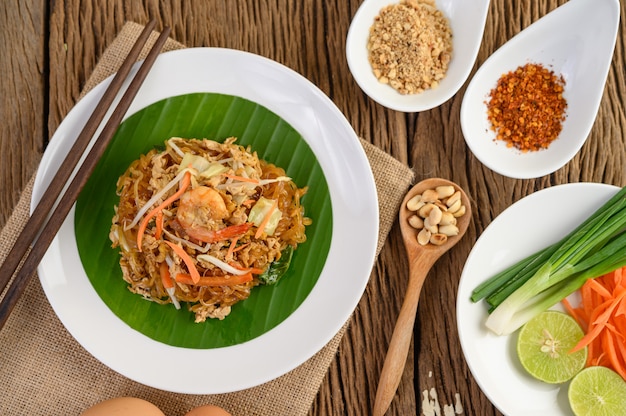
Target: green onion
534 284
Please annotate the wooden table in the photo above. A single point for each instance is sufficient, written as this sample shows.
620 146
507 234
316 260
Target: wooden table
50 48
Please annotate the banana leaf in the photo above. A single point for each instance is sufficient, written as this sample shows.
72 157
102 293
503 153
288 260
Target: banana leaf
216 117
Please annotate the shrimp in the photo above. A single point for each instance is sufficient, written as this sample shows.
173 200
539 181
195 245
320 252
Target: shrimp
201 212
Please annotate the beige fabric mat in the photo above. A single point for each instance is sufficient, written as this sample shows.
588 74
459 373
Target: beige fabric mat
44 371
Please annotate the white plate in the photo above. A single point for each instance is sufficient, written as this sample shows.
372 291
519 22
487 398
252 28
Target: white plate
575 40
528 225
467 22
339 287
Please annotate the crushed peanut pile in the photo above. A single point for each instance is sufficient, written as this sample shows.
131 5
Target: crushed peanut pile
410 46
436 212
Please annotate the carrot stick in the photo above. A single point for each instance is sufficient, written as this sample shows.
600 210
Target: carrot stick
166 278
193 271
184 184
231 248
259 231
576 313
599 289
159 225
603 309
609 345
229 280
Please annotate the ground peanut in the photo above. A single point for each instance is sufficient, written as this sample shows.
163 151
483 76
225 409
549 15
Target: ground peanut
410 46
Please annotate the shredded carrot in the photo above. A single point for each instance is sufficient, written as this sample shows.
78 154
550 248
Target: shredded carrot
259 231
159 225
241 247
193 271
253 270
602 315
240 178
229 280
248 202
231 247
184 184
166 278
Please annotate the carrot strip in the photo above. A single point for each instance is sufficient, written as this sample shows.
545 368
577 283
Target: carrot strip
266 220
253 270
159 225
231 248
241 247
576 313
166 278
609 345
229 280
603 310
193 271
599 289
184 184
248 202
587 299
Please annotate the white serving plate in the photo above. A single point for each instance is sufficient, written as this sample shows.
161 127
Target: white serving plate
492 359
343 278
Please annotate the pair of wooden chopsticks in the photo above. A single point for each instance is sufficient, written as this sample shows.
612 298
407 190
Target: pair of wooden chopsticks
46 220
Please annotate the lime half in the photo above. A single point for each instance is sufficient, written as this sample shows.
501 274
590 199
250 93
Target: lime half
543 347
598 391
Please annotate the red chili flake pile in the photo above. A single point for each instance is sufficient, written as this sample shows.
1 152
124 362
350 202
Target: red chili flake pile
526 108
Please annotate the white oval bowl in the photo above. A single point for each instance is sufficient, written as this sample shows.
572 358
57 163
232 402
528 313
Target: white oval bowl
467 22
576 40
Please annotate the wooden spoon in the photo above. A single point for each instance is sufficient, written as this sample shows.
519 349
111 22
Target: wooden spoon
421 259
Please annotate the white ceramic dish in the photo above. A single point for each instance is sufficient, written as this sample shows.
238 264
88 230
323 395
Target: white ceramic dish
467 21
492 359
343 278
575 40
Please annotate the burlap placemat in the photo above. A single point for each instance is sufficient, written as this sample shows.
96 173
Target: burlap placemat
44 371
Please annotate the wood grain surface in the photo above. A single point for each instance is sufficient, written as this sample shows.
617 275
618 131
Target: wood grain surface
49 49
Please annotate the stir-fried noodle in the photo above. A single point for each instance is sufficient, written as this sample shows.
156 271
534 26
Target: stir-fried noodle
200 222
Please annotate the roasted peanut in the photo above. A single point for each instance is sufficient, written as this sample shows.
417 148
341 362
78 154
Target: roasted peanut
435 214
415 203
449 230
416 221
438 239
423 237
425 210
460 212
429 195
455 206
444 191
430 226
453 199
447 218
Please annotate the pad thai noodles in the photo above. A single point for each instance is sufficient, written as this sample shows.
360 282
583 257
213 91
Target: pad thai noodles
204 222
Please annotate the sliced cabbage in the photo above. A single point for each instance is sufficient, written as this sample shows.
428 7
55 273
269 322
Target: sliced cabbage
260 210
204 168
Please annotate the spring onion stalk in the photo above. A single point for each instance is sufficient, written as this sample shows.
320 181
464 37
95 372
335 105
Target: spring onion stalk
524 269
541 280
560 291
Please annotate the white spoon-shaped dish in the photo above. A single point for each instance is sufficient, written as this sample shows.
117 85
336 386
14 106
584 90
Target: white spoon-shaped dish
467 22
576 40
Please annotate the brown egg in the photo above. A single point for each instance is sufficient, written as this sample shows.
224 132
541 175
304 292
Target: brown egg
123 406
208 410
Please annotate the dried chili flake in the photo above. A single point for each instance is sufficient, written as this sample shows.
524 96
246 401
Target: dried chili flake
526 109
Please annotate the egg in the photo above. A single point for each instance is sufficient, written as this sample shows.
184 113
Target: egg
123 406
208 410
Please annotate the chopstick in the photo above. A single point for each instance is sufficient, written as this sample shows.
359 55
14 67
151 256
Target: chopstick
33 242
